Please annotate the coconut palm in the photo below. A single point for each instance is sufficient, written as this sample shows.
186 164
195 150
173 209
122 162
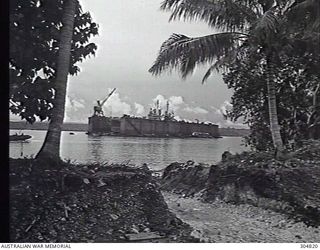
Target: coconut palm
248 27
51 146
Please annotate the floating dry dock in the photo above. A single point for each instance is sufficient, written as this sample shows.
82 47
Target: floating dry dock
137 126
156 124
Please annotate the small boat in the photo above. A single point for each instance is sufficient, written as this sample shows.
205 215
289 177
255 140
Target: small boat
21 137
201 135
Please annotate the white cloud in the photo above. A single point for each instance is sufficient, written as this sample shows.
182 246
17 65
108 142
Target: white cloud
225 106
115 106
216 110
196 110
177 118
176 100
74 104
75 110
162 101
139 109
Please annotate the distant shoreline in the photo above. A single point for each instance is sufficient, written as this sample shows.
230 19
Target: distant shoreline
81 127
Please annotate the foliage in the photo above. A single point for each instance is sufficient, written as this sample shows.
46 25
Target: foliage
253 31
259 25
34 43
251 24
294 99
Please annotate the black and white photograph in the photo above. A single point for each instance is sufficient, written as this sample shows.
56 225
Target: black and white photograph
163 121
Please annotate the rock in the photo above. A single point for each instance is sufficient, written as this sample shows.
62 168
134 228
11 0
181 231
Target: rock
114 216
145 167
190 163
101 183
196 233
225 156
134 230
86 180
143 236
39 236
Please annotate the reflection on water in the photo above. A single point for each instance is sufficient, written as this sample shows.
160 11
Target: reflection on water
96 150
156 152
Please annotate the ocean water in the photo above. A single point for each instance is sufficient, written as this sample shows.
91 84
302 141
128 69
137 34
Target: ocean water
156 152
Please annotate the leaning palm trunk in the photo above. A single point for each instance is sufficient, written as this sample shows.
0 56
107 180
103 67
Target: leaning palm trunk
314 117
272 104
51 146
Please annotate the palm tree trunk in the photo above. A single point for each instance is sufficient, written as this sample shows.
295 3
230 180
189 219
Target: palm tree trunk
273 114
313 116
51 146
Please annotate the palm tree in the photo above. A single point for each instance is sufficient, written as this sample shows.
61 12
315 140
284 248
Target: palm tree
51 146
248 27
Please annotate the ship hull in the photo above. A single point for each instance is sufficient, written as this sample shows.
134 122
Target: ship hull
143 127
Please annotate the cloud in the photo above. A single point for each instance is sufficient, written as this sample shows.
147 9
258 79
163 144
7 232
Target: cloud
196 110
162 101
231 124
223 109
181 109
116 106
177 118
74 104
75 110
216 110
176 100
225 106
139 109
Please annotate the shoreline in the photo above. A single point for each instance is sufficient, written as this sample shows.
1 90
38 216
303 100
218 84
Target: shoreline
245 198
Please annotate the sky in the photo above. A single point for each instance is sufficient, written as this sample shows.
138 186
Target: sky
130 36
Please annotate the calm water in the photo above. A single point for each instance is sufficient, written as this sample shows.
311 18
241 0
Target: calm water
156 152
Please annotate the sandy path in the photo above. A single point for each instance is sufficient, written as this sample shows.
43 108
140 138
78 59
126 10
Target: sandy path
221 222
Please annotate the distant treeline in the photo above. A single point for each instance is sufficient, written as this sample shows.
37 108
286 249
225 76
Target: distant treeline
84 127
233 132
44 126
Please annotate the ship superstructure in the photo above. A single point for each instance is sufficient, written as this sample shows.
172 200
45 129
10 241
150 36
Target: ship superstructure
156 113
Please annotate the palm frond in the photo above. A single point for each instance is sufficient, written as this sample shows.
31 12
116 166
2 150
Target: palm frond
306 11
221 63
184 53
306 5
229 15
267 25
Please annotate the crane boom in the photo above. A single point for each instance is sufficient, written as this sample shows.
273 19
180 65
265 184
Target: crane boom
110 94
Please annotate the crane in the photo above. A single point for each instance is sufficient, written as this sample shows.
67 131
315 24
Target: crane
98 109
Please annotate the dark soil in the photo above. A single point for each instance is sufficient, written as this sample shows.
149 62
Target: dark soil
76 203
185 178
291 186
